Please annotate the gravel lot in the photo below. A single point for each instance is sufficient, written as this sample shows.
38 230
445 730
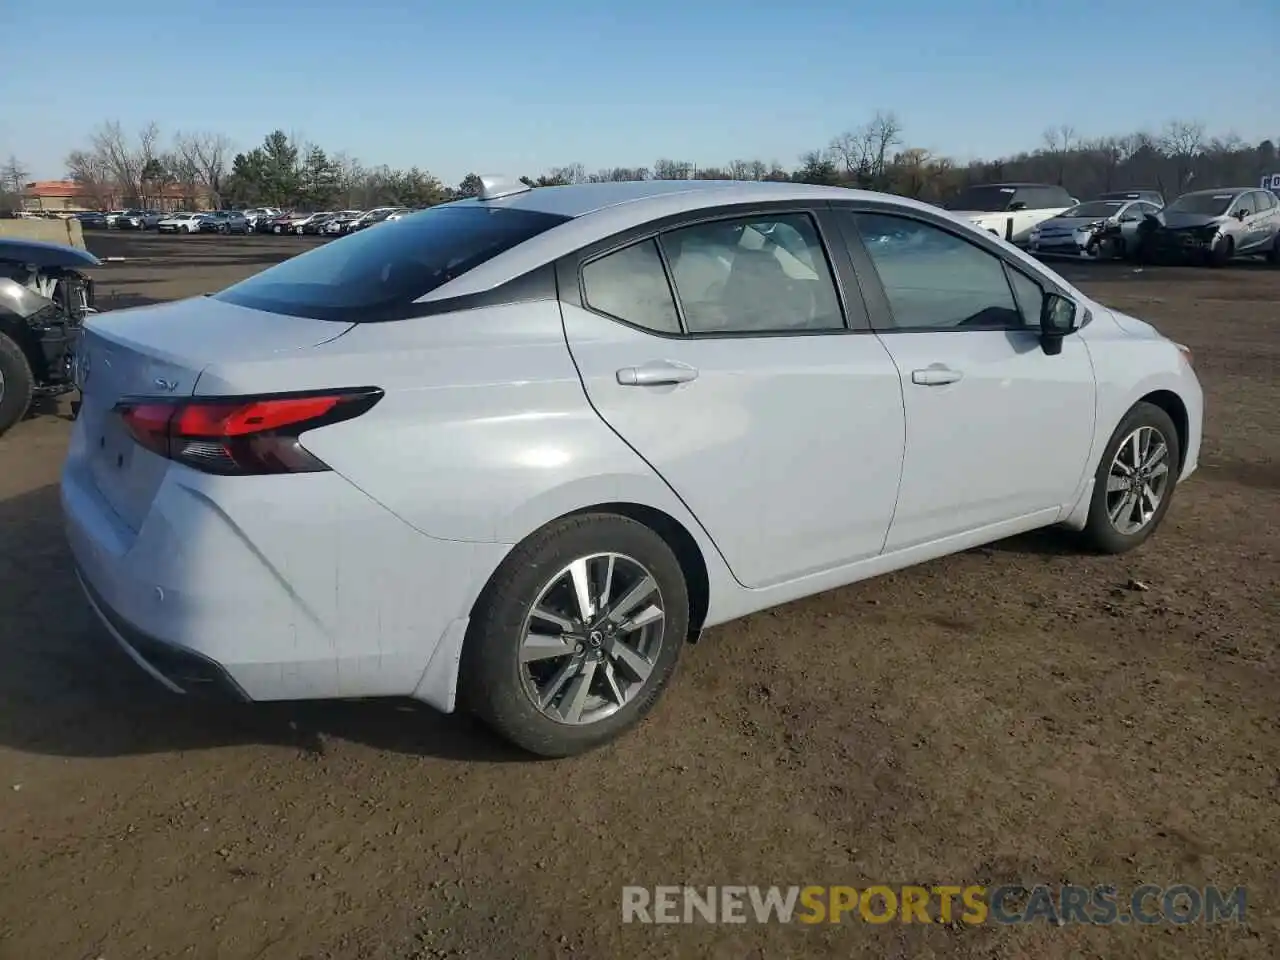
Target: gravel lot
1017 713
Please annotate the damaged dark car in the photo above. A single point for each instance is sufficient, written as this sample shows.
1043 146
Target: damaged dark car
44 299
1214 227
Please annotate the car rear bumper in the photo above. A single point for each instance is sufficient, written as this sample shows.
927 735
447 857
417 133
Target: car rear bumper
175 668
254 590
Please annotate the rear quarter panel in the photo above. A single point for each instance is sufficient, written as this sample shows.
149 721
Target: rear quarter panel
485 432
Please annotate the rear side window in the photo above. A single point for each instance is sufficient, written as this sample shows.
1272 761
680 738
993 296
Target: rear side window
373 274
631 284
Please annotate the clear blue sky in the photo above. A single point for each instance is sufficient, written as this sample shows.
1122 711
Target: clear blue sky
507 87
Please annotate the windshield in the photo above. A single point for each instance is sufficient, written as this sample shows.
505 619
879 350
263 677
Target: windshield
1095 208
375 272
984 199
1207 204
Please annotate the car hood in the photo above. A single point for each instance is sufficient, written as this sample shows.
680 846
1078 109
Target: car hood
1178 220
44 256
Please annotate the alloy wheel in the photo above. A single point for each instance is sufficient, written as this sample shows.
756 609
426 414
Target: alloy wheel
591 638
1138 480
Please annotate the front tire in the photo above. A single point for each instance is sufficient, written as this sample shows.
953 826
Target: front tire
576 635
1222 251
1134 483
16 384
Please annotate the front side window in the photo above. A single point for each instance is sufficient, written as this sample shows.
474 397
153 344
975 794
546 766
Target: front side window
1245 205
935 280
371 272
753 275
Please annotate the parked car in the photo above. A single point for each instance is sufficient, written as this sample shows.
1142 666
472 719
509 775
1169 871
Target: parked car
44 298
277 224
225 221
255 214
181 222
112 216
1147 196
138 220
1010 210
315 225
92 220
1214 226
340 223
1098 229
376 215
300 220
637 411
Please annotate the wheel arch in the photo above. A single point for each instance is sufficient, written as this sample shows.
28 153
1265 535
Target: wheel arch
682 544
1173 405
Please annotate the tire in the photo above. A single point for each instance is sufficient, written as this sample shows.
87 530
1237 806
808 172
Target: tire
497 687
276 229
186 229
1222 252
16 384
1100 532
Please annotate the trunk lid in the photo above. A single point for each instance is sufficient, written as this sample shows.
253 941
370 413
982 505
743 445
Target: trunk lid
160 351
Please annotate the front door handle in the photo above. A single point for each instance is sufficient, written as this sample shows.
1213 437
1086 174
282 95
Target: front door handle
656 374
935 376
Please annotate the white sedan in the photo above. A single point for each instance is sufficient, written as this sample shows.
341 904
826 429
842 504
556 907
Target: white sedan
181 223
515 451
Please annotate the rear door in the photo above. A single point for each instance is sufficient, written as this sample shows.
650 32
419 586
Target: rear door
720 351
996 429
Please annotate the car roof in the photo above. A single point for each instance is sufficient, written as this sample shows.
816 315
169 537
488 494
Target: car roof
580 199
596 211
1207 191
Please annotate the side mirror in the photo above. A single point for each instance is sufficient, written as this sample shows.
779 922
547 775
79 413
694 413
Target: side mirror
1241 214
1057 319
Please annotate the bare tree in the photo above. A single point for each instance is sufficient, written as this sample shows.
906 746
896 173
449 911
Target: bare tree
1183 141
853 150
92 175
206 154
883 132
126 158
13 177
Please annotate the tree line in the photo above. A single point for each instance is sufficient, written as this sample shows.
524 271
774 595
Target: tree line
116 167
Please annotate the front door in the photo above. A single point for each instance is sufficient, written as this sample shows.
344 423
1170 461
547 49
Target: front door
780 428
996 429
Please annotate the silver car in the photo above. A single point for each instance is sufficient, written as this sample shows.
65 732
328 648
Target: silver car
1215 226
1097 229
515 451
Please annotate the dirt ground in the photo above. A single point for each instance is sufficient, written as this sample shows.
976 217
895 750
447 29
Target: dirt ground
1015 714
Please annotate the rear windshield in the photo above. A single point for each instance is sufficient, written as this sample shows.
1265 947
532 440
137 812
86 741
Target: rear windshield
362 276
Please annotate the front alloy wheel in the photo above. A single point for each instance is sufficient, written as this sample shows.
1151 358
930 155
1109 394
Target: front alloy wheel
1135 480
576 635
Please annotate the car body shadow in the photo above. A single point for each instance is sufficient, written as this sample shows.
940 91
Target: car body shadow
66 689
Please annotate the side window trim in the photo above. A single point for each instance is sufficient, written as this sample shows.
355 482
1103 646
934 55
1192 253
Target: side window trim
879 311
849 294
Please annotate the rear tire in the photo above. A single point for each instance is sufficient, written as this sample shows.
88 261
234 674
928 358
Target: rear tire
16 384
518 696
1113 514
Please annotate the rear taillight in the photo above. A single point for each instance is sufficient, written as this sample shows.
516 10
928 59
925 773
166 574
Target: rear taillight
241 436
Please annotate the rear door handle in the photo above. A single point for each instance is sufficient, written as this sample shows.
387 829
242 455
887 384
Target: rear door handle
935 376
656 374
